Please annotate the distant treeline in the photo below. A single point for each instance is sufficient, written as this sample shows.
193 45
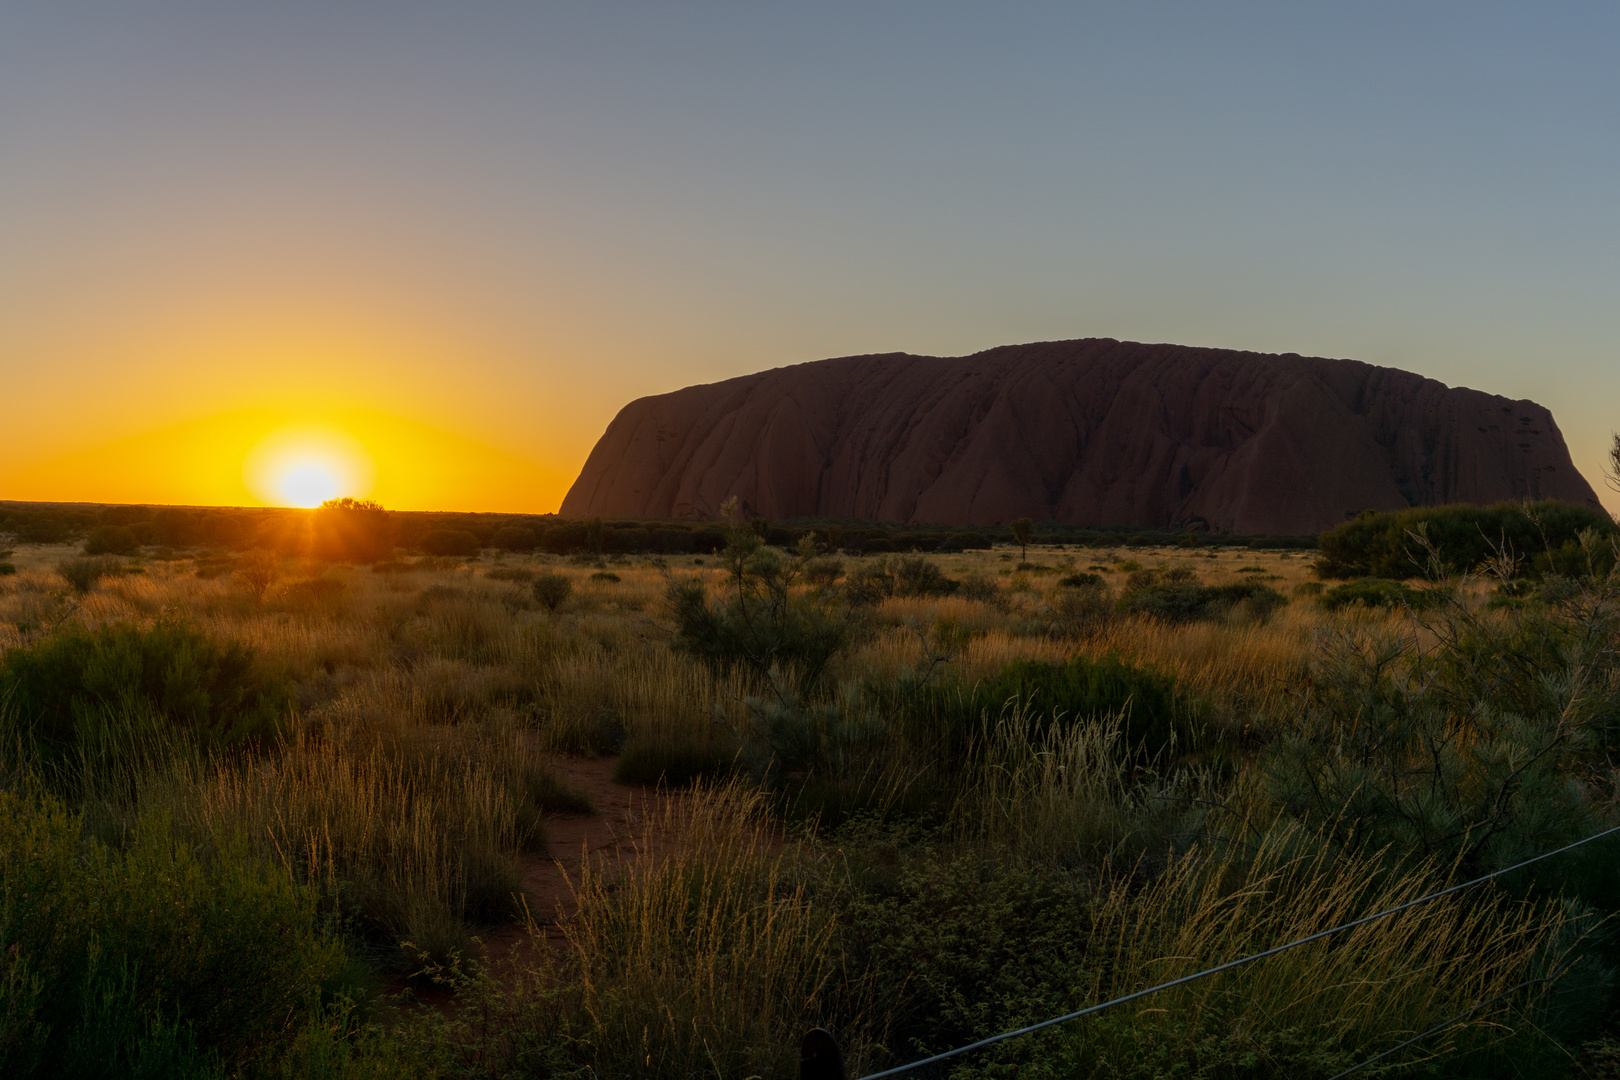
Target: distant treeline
352 531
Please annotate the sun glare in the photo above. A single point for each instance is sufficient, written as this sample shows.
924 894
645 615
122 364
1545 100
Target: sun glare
305 467
308 483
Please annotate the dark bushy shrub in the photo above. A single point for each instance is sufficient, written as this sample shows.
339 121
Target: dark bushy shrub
1187 601
759 620
450 542
1378 593
907 576
1381 545
950 715
152 961
969 948
111 540
88 689
551 590
82 574
824 570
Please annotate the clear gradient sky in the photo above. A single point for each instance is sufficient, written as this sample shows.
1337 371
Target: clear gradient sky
444 243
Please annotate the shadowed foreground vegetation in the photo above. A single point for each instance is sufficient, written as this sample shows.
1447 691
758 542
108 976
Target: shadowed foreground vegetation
256 802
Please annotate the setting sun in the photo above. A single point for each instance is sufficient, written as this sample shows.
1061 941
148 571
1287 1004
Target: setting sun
308 483
305 467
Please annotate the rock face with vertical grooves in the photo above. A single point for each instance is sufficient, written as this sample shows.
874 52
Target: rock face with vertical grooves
1090 432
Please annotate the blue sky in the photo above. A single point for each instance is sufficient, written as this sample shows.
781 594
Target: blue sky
508 219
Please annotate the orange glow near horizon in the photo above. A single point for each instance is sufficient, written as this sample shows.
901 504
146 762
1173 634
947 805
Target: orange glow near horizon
279 457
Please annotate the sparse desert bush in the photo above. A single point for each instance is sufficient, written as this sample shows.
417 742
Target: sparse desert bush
551 590
257 569
520 574
1187 601
111 540
1468 742
948 718
606 577
82 574
1377 593
823 570
760 622
1080 605
903 576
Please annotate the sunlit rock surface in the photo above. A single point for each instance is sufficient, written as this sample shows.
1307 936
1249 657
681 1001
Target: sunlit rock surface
1091 432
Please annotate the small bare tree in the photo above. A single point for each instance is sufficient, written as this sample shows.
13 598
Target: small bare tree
1023 531
258 569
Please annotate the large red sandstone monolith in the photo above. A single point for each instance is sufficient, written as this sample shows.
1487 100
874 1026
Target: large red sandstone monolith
1091 432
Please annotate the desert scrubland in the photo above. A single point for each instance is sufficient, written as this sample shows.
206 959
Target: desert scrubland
271 816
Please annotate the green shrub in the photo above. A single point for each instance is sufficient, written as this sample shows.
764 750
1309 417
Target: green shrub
154 961
950 716
607 577
759 622
6 569
118 689
962 949
1464 537
551 590
1468 744
1186 601
449 542
823 571
908 576
111 540
1079 605
1377 593
917 576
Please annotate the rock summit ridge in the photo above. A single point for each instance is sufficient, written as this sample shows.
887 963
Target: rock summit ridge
1088 432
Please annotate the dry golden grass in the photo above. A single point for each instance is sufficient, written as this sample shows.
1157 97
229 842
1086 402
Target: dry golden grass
701 958
1363 990
415 777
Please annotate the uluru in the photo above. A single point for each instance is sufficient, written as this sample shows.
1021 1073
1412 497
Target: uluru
1092 432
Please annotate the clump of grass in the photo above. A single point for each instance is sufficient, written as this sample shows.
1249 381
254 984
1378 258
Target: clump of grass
416 840
704 957
552 589
82 574
1321 1006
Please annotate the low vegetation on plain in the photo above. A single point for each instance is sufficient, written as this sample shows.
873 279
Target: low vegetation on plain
271 801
